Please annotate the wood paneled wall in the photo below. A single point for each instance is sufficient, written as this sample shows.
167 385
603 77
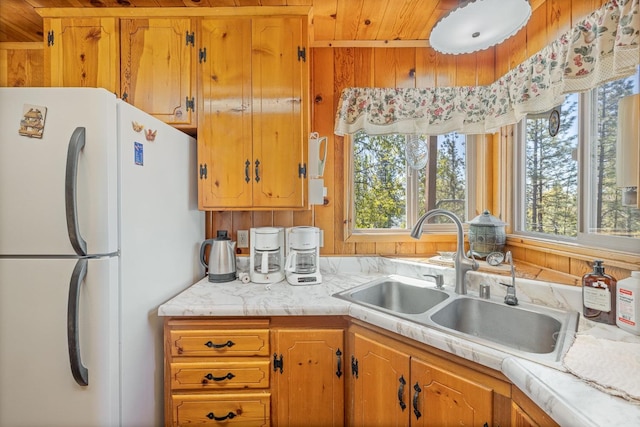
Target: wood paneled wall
336 68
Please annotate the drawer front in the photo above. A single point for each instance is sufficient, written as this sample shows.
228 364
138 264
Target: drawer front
224 409
221 374
233 342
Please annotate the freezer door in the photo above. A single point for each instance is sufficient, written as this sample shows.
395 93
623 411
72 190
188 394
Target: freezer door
35 190
37 386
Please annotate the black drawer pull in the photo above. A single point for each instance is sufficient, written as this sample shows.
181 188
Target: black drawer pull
401 393
230 416
210 377
227 344
416 411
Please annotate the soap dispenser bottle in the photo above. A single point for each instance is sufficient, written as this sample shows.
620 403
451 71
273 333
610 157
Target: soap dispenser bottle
599 295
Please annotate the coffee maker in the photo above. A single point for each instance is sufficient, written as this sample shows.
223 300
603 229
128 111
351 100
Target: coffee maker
303 256
266 262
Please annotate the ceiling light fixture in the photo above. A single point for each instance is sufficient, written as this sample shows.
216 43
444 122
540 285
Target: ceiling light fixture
479 24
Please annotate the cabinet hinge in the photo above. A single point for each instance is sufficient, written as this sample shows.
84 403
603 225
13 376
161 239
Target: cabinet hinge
354 366
50 38
302 170
277 364
302 54
191 104
202 55
190 39
203 171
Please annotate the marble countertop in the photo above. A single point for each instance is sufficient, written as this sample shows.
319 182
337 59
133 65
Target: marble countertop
569 400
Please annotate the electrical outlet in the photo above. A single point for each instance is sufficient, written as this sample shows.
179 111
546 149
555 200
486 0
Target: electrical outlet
243 239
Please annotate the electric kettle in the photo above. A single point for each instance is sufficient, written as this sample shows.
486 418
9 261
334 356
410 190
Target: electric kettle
222 258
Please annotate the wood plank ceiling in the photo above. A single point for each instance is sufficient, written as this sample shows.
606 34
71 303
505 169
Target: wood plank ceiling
334 20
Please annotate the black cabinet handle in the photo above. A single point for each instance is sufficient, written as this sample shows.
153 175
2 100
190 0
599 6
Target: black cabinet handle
229 416
257 170
227 344
416 411
246 171
339 357
210 377
401 393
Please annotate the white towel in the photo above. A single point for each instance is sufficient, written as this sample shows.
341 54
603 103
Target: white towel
611 366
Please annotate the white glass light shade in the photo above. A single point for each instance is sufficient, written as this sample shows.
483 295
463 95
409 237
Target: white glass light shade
478 25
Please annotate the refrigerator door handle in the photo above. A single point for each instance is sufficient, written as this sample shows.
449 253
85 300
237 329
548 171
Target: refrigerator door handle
80 373
76 144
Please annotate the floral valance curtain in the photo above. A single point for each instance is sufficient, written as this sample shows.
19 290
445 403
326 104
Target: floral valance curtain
604 46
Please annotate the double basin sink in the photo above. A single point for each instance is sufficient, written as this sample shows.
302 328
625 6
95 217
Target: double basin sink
533 332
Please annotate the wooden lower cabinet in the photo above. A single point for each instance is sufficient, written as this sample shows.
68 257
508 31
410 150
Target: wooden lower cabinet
305 371
281 371
525 413
393 383
217 372
246 409
308 377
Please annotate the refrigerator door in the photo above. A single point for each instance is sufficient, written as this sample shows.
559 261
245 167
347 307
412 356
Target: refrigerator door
161 232
36 194
37 387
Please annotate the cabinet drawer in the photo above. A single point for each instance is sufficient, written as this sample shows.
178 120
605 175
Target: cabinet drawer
228 409
220 374
235 342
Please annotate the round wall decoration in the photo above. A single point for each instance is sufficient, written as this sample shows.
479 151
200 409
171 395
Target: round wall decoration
554 122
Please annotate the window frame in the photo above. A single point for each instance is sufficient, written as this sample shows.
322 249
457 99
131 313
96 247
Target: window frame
478 160
586 133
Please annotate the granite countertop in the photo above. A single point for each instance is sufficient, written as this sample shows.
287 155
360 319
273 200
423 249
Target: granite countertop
569 400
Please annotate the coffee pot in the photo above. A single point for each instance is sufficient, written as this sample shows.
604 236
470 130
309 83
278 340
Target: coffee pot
303 256
266 260
222 258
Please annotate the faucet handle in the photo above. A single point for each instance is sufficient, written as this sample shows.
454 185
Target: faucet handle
439 279
474 263
510 298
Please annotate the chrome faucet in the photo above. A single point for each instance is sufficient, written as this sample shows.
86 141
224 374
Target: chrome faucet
510 298
461 262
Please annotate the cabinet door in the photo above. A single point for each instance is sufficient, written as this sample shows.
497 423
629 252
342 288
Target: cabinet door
224 116
156 66
447 399
310 388
21 64
82 52
280 81
381 385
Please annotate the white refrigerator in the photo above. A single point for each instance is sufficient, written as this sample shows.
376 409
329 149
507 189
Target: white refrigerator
99 226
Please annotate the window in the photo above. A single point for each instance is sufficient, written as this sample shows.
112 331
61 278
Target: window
567 183
397 178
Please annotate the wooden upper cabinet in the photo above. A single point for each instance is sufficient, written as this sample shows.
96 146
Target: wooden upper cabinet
224 119
253 117
21 64
157 72
82 52
279 82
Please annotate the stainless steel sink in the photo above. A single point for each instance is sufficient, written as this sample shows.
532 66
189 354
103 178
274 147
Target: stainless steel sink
396 294
515 327
530 331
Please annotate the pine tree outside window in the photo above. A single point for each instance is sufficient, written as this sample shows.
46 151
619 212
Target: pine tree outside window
566 187
387 194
